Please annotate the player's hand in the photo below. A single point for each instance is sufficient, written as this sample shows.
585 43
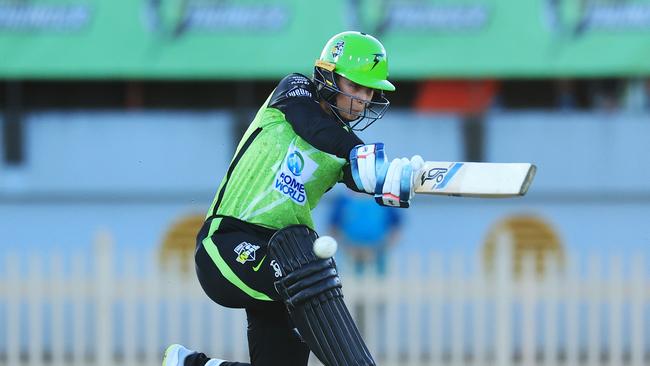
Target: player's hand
366 163
398 184
392 183
416 163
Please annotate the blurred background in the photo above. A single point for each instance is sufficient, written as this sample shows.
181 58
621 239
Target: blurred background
119 119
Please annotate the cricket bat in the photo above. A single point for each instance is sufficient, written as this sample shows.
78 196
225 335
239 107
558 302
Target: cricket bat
490 180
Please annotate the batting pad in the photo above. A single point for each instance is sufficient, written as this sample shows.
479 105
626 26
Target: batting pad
311 288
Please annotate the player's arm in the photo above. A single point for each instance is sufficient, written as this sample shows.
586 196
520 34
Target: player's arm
296 97
390 183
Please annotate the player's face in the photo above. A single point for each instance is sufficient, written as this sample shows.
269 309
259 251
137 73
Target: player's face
352 104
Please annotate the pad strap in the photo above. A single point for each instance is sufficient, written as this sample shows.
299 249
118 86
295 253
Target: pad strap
307 282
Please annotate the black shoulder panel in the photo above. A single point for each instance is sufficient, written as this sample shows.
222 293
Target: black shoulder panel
293 86
296 97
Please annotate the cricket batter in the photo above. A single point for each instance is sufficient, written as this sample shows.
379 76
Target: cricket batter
255 249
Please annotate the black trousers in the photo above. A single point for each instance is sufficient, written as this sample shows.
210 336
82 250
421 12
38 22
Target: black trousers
248 284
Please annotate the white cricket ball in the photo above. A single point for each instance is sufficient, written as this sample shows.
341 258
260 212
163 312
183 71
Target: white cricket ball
325 247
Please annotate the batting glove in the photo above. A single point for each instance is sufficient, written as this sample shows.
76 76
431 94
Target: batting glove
366 163
396 187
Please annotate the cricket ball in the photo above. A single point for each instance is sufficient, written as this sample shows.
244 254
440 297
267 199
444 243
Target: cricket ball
325 247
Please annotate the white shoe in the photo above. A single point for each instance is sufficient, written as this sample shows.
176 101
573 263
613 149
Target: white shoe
175 355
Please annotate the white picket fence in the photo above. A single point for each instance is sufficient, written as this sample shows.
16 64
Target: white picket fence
117 313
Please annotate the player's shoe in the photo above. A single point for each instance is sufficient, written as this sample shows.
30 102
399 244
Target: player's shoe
175 355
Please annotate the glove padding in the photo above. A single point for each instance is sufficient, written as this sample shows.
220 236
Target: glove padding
396 187
366 163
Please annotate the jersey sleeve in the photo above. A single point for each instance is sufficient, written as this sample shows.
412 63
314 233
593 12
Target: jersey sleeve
297 98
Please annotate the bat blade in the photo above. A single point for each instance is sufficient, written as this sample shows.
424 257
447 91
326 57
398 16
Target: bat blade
491 180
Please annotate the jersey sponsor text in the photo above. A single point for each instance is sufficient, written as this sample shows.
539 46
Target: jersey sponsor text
291 187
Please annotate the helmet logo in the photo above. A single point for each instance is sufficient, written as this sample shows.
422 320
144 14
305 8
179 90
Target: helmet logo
337 49
378 57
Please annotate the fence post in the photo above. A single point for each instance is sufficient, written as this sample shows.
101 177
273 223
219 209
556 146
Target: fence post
196 315
572 293
479 286
13 309
104 299
81 287
152 292
392 312
551 313
594 297
529 297
35 313
637 314
131 302
456 300
503 341
58 294
413 308
435 289
615 295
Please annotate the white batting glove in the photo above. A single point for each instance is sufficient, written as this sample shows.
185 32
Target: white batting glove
397 185
366 163
416 164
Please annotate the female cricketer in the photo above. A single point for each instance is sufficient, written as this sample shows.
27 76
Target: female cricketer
253 251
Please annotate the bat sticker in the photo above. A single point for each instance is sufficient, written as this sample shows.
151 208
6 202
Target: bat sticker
441 176
437 174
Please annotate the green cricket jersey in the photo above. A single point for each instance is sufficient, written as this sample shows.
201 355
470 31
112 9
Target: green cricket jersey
291 154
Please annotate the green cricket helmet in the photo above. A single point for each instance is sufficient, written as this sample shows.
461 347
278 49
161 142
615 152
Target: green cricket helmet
361 58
